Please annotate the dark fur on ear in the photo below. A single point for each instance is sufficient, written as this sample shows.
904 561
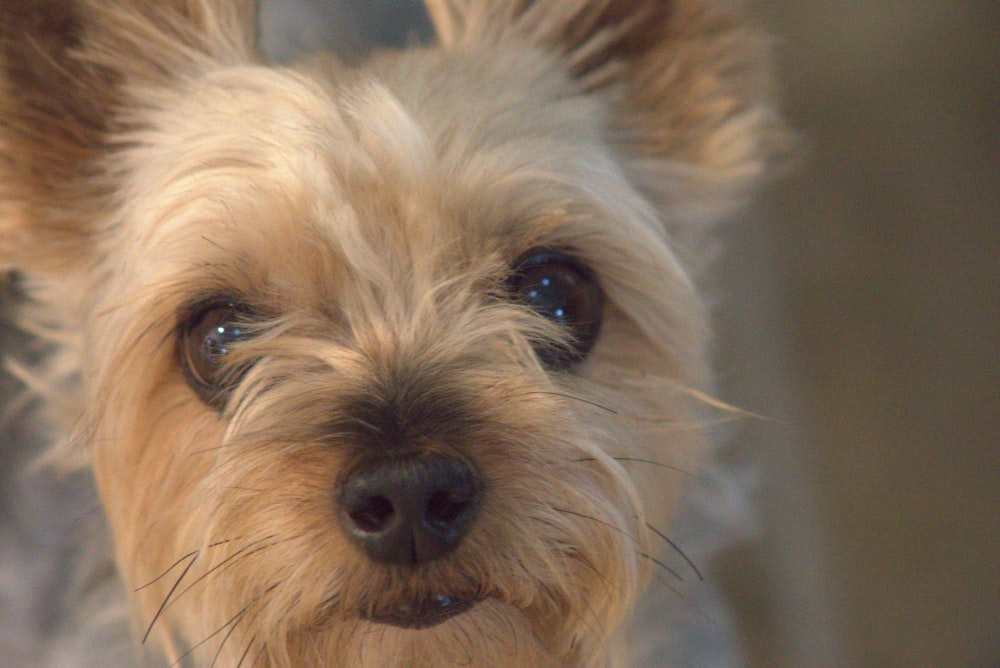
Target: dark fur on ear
65 71
689 83
52 121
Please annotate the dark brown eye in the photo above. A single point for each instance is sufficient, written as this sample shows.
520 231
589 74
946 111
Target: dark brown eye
558 287
205 338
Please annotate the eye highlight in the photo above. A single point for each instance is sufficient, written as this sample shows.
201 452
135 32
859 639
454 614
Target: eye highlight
556 285
205 338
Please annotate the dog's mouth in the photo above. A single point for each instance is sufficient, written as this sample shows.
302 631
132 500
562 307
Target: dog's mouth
422 614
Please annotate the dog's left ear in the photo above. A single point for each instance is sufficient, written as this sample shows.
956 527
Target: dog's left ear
68 71
689 85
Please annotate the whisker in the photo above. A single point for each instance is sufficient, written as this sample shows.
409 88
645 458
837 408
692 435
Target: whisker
175 564
677 592
688 425
657 562
234 620
623 533
237 616
242 553
579 558
246 652
637 460
166 599
595 619
229 634
565 395
676 549
260 653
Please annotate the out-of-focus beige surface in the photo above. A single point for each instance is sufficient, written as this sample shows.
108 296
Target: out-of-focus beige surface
875 342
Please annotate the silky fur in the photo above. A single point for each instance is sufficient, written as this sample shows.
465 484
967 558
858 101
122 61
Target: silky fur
149 159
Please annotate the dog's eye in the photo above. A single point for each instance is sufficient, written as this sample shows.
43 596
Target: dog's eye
557 286
206 337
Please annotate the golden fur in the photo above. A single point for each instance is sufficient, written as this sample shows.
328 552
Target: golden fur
149 159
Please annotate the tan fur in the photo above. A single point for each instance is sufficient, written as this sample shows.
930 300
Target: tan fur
148 159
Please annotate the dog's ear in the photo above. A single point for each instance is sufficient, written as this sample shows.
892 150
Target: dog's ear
66 71
688 83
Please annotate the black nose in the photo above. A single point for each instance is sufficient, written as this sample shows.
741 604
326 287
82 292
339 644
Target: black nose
409 510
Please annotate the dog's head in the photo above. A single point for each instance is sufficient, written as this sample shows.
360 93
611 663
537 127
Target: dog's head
389 364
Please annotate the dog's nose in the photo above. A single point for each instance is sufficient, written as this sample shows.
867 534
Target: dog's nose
409 510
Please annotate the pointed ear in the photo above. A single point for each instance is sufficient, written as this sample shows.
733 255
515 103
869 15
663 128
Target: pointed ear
66 69
689 85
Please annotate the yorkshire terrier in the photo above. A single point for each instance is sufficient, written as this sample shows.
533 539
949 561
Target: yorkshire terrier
390 363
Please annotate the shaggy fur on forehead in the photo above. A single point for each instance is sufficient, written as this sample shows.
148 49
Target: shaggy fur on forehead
690 106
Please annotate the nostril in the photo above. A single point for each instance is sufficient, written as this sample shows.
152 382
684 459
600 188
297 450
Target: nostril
373 514
445 507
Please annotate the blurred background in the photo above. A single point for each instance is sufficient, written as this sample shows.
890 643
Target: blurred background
861 318
864 316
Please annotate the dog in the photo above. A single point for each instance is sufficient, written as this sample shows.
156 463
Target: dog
397 362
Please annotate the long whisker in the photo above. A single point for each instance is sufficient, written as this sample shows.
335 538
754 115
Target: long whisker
166 599
662 565
246 652
229 634
623 533
260 653
176 563
638 460
242 553
193 556
234 620
189 555
688 425
573 397
676 549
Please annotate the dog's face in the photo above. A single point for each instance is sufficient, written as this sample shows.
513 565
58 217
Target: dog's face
381 365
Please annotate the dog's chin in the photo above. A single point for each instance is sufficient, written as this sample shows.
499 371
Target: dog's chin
441 631
421 614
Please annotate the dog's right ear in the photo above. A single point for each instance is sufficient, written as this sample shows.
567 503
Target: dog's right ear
68 69
688 85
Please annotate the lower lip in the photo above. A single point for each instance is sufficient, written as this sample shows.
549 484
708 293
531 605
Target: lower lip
429 613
